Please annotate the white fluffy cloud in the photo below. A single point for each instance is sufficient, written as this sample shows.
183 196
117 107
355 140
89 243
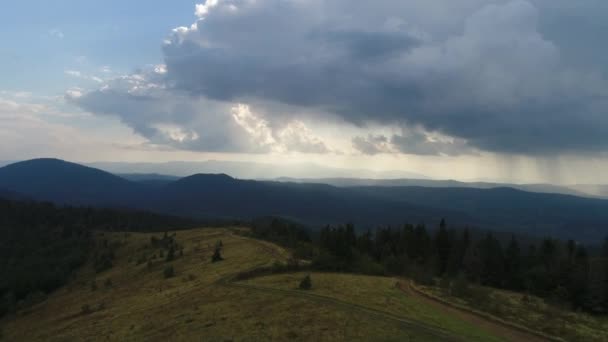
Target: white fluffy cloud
168 117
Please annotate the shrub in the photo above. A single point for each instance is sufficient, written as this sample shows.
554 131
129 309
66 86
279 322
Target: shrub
444 282
31 299
217 256
141 260
306 283
278 267
85 309
103 262
423 277
481 296
460 286
169 272
170 254
559 296
293 263
8 303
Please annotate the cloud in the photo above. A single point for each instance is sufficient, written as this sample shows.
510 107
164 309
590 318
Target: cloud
56 33
201 10
78 74
372 144
422 143
296 137
35 126
413 141
472 71
73 73
15 94
167 117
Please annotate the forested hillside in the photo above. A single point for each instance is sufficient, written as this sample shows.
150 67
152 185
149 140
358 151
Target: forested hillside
42 244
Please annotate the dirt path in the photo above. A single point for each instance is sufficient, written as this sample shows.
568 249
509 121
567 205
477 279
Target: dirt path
431 331
501 330
377 314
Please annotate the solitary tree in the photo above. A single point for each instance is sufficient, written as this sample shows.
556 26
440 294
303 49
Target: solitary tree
306 283
217 256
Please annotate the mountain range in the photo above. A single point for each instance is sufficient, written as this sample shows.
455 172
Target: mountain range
313 173
314 204
432 183
246 170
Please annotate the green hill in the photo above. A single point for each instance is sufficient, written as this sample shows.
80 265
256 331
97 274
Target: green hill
134 300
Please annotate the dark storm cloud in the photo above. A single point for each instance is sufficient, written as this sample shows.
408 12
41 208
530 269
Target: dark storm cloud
482 72
411 141
420 144
362 45
372 144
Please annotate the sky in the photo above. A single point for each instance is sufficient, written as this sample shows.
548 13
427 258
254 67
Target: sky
502 90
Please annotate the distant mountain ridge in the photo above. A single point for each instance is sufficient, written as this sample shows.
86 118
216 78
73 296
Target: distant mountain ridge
153 179
64 182
145 177
431 183
597 190
221 196
245 170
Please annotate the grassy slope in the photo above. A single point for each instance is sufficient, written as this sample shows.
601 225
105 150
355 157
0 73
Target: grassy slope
142 305
536 314
378 293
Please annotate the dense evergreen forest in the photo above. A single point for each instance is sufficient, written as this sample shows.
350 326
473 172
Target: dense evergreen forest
42 244
564 273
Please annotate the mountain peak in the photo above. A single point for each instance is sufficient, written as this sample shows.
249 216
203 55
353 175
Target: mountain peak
61 181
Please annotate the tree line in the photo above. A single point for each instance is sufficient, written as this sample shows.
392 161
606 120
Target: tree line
560 271
564 272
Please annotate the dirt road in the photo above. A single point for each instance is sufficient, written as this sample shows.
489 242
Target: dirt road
501 330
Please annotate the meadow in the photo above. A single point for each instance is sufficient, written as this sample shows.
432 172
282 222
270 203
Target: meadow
133 301
136 299
529 311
